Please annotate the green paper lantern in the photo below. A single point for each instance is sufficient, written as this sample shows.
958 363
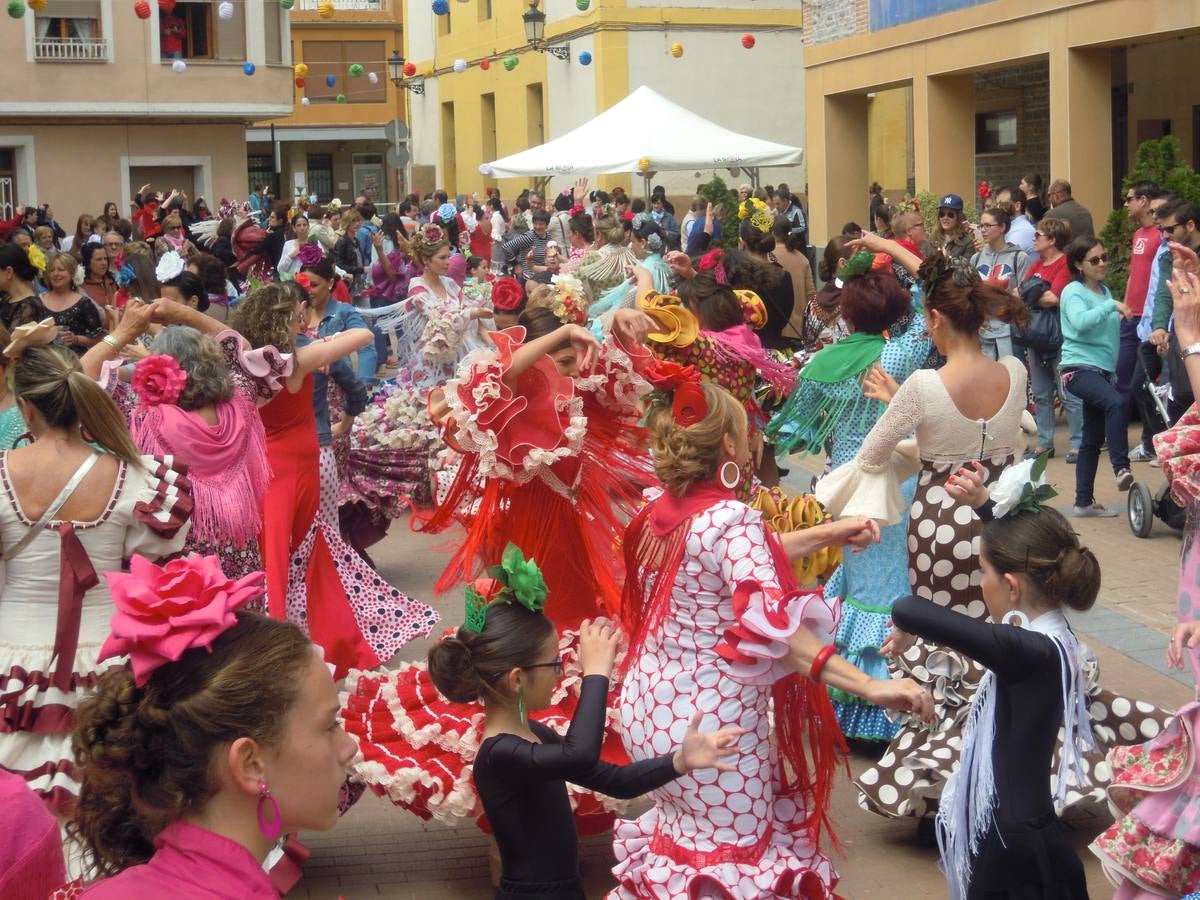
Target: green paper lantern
341 98
16 8
356 70
287 4
582 5
510 62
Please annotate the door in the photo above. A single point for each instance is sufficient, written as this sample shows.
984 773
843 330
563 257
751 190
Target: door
320 176
369 180
8 183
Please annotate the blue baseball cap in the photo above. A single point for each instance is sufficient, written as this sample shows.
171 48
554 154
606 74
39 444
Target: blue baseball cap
951 201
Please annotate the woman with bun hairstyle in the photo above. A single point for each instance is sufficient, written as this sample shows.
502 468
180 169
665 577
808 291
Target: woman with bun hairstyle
212 742
647 242
506 656
76 500
997 827
18 274
718 627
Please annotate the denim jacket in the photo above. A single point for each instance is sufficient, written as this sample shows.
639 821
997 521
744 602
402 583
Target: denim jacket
343 377
341 317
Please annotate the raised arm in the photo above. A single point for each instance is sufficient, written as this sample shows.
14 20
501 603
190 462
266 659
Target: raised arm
527 355
326 351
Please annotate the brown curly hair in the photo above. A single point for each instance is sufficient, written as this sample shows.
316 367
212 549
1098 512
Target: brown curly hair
145 753
266 317
684 455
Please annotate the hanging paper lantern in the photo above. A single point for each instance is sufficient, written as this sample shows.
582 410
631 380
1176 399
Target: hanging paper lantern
356 70
460 65
427 72
644 164
225 10
410 69
485 64
373 77
341 98
582 5
585 58
330 81
300 81
16 8
142 9
248 68
301 70
510 62
37 5
748 41
677 49
167 6
441 7
287 4
304 101
325 9
179 67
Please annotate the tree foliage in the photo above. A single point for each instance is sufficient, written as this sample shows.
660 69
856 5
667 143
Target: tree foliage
716 192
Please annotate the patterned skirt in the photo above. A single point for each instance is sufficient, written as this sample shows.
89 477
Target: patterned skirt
943 555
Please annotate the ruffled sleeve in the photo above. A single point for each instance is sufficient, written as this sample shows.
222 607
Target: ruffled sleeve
517 433
869 485
256 374
756 643
1178 450
122 394
162 508
615 380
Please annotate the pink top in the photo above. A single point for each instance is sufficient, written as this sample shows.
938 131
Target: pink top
190 863
31 857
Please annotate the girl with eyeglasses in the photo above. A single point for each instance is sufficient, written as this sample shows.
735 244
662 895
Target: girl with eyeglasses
1091 327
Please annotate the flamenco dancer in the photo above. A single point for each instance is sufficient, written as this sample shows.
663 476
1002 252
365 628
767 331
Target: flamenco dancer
717 627
972 407
313 578
832 407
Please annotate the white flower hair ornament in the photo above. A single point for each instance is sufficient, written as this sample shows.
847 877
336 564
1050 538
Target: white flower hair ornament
1022 487
169 267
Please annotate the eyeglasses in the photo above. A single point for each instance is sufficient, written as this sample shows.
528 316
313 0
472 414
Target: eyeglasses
1097 259
983 225
556 664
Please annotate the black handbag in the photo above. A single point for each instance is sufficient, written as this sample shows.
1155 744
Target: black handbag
1043 334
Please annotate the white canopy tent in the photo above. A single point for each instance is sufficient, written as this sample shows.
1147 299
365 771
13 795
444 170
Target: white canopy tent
645 133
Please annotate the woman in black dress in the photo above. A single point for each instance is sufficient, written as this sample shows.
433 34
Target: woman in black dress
997 830
19 303
507 655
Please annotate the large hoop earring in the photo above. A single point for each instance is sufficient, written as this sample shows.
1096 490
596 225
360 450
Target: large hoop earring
727 480
1015 617
270 830
26 438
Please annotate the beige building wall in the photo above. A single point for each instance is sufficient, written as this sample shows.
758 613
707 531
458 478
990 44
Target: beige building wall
889 150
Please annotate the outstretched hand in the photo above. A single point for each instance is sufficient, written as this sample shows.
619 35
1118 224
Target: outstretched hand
968 485
859 532
904 695
705 750
1184 635
897 643
681 264
880 385
585 345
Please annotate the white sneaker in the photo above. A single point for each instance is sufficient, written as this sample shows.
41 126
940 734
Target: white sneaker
1140 454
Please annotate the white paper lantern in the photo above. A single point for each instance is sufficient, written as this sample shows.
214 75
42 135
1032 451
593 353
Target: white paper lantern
304 101
460 65
179 67
373 77
225 10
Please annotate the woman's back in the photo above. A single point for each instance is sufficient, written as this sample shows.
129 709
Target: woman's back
35 474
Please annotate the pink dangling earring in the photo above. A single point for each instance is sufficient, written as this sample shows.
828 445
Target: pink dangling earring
730 481
272 829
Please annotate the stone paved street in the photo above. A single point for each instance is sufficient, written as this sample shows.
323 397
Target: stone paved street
381 851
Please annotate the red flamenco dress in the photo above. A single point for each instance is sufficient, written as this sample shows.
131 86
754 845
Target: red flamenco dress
554 466
311 579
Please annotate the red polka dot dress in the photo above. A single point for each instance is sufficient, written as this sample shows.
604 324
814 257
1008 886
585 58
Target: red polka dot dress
711 833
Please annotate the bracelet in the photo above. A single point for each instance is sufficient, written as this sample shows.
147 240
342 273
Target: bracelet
818 664
112 342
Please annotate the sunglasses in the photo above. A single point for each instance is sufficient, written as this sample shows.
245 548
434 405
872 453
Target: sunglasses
1168 229
1097 259
556 664
1038 234
947 214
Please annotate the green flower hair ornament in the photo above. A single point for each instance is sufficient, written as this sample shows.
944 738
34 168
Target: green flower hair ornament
515 580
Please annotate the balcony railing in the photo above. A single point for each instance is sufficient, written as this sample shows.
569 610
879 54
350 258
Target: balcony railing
360 5
70 49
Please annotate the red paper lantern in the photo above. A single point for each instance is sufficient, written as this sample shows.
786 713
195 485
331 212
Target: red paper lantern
748 41
485 64
166 6
410 69
142 8
299 82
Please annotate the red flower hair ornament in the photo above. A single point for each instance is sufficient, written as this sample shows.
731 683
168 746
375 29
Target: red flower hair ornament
158 379
507 294
714 261
682 385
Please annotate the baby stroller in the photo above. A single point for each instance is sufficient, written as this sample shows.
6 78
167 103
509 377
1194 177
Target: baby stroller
1143 507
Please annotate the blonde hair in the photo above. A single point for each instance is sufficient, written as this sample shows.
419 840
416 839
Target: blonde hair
425 249
53 382
266 316
684 455
611 229
68 261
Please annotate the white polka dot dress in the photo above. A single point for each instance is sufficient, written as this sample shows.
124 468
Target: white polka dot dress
710 833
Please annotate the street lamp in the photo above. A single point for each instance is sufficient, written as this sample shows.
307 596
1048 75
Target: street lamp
535 32
396 64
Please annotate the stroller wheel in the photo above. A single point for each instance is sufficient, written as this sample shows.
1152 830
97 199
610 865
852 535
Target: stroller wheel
1140 508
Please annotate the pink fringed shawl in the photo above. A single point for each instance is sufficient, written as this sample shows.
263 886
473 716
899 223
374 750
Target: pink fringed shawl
741 344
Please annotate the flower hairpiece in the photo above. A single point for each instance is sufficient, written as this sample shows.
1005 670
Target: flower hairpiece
714 261
516 580
507 294
566 192
680 386
164 611
31 334
575 210
36 257
433 233
304 281
158 379
126 275
447 213
1022 487
985 190
639 220
861 263
627 216
570 305
170 266
310 254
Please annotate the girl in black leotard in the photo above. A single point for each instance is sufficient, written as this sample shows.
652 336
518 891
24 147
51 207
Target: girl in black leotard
997 830
522 767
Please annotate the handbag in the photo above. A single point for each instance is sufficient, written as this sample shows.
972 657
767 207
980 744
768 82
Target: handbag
1043 334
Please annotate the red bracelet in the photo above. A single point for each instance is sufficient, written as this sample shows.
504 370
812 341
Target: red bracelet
819 661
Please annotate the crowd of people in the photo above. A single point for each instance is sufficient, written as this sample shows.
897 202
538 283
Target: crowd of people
212 415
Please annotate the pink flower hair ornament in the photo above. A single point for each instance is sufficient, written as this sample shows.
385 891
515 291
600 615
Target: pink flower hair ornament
158 379
164 611
310 254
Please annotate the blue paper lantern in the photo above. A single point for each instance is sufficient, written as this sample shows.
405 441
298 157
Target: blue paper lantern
330 80
585 58
248 68
441 7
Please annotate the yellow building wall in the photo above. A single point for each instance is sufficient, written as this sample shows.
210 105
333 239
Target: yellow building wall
888 150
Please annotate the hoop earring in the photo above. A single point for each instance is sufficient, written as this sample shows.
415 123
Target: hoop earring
270 830
727 480
1015 617
26 438
521 702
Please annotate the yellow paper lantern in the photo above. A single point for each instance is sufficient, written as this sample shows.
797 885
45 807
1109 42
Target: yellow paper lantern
325 9
428 73
37 5
677 49
644 164
301 70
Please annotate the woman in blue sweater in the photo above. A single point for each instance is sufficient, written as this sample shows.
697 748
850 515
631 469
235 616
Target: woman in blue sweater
1091 323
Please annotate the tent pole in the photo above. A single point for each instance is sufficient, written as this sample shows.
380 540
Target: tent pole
646 178
755 181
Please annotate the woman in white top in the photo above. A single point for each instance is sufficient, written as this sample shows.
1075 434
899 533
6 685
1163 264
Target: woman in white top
289 260
499 224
